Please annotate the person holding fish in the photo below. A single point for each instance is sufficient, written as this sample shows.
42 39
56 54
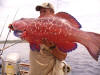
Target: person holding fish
51 37
58 56
49 55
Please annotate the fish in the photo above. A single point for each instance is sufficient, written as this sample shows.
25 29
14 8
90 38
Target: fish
57 30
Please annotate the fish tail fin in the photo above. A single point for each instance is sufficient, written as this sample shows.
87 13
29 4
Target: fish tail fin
92 42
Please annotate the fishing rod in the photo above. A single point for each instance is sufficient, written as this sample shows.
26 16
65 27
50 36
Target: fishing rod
1 50
6 38
4 25
9 30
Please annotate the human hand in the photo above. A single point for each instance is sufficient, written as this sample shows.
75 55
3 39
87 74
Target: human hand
54 50
49 44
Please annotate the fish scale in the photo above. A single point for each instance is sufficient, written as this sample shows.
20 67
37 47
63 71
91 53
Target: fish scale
38 29
44 29
59 31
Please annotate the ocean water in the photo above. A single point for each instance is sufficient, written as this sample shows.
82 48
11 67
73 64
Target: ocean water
80 61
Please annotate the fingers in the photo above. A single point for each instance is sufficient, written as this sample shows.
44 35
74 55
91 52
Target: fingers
54 50
48 43
59 54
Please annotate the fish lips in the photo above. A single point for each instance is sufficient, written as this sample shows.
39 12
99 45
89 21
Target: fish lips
18 33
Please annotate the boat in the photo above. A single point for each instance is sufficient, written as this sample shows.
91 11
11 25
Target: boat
12 65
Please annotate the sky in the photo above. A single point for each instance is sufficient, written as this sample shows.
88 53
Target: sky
87 12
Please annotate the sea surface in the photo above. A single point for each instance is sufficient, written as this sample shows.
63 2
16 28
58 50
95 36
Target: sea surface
80 61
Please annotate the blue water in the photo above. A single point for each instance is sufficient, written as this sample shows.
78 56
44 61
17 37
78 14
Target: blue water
80 61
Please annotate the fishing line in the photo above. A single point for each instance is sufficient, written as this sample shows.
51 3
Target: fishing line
12 44
4 25
9 46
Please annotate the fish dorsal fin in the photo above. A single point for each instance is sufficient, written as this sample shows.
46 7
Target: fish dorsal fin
70 18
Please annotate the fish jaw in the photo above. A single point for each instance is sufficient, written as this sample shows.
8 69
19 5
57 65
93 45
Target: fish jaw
19 27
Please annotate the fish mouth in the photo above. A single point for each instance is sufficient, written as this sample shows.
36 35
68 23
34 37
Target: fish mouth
18 33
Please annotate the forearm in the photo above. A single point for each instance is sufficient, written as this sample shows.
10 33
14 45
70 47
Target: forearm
58 54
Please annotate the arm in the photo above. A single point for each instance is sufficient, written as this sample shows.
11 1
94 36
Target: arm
54 50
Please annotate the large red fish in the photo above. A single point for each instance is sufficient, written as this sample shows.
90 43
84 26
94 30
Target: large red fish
57 30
